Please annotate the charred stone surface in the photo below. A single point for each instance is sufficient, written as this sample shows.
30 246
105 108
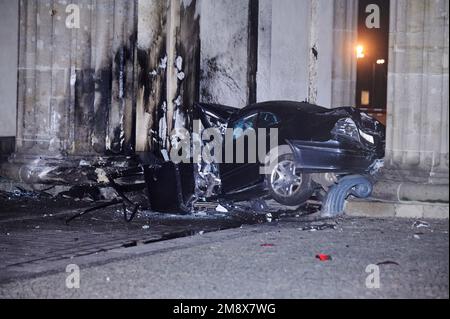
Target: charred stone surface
224 52
168 57
76 95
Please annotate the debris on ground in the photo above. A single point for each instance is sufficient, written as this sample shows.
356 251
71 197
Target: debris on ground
269 217
388 262
267 245
221 209
318 227
416 236
420 223
20 192
82 192
204 205
323 257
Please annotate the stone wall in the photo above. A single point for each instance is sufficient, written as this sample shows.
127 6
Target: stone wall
417 147
9 22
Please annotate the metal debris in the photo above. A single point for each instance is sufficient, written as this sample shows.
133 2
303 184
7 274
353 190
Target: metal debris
221 209
420 223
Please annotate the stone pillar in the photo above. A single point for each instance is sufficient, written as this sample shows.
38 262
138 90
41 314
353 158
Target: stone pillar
417 145
75 88
344 58
224 34
306 51
168 62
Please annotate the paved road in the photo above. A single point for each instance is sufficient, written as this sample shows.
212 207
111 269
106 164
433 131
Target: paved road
272 260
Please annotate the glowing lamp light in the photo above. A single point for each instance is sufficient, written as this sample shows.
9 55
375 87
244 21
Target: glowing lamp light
360 52
380 61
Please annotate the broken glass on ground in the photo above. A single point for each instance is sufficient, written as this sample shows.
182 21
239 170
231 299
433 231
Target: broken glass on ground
420 223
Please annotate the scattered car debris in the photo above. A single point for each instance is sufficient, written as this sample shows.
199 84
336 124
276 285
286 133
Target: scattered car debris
20 192
318 227
82 192
121 189
221 209
420 223
323 257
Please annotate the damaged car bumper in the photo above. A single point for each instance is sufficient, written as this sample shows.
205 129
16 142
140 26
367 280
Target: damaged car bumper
331 156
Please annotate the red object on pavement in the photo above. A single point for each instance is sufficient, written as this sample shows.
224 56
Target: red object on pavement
267 245
323 257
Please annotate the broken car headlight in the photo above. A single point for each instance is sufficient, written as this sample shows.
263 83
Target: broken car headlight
367 137
346 128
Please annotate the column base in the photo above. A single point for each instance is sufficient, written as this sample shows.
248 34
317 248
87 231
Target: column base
403 185
405 193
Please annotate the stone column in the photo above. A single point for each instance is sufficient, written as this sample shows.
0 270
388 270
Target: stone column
417 156
224 34
343 54
306 51
168 62
75 88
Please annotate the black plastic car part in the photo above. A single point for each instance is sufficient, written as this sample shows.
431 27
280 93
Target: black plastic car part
356 185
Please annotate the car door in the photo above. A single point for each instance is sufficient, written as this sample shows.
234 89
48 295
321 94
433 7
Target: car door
237 174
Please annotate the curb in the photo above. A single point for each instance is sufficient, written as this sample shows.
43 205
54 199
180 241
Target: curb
376 208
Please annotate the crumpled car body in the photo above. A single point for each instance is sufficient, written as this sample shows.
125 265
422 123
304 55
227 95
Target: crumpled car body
322 142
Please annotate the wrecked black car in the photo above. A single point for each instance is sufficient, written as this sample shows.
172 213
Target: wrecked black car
315 148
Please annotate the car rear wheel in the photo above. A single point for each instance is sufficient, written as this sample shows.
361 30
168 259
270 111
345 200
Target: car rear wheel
287 184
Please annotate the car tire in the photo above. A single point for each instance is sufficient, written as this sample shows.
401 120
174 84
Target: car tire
286 187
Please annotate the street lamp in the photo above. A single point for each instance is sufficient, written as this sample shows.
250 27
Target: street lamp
360 52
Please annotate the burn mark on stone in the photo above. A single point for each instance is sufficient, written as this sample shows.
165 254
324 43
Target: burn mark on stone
122 57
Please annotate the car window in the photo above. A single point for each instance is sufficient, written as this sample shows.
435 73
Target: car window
267 119
248 122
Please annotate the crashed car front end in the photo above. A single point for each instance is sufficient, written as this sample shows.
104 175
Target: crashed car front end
355 145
